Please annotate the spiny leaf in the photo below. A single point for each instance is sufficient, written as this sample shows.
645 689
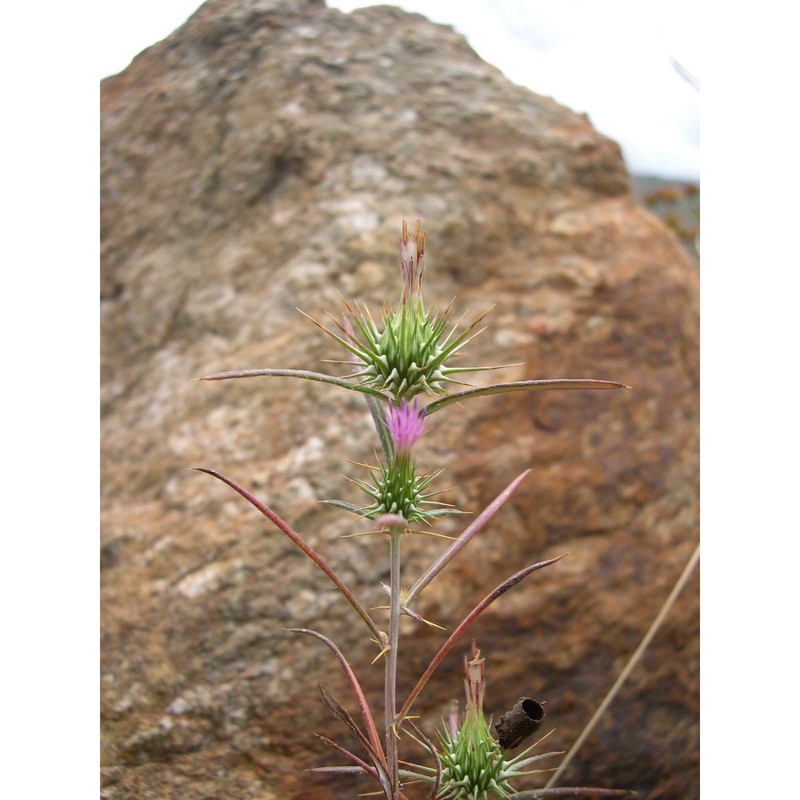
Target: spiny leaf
355 686
518 766
379 419
343 715
431 749
295 373
570 791
353 509
361 765
466 622
474 528
338 770
519 386
301 543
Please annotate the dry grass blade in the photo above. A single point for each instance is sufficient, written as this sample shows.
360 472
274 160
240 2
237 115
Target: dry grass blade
632 662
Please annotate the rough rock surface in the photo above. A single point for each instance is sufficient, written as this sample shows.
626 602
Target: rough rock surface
260 159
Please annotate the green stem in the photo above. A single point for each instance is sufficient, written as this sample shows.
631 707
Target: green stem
390 686
378 416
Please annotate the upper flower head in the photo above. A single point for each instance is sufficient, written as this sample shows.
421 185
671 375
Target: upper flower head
412 259
406 423
409 354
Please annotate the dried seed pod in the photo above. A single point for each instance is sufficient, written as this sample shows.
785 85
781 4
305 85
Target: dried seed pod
517 724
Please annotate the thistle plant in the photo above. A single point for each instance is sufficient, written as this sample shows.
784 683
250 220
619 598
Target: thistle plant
396 364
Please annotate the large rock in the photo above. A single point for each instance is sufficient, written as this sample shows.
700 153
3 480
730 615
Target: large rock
260 159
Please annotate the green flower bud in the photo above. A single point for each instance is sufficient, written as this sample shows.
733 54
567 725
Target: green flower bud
471 758
408 356
474 765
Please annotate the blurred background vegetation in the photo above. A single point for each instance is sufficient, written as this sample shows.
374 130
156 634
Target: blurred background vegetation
677 203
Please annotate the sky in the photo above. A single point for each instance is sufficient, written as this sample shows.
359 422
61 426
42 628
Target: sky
612 59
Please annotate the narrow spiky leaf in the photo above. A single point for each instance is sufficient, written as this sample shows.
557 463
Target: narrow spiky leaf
361 765
378 415
306 548
500 590
570 791
519 386
355 686
474 528
338 770
353 509
352 348
343 715
296 373
432 750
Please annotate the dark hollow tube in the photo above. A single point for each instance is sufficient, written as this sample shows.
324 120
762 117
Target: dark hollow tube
517 724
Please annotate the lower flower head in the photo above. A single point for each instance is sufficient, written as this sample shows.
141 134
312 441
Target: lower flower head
395 488
406 423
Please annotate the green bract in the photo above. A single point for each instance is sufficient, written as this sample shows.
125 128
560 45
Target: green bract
395 487
473 765
408 357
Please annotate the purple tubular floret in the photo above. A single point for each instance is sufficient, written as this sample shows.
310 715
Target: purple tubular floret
406 423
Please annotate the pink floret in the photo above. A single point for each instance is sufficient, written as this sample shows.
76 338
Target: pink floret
406 424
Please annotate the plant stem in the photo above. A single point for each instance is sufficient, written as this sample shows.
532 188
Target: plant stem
390 688
378 417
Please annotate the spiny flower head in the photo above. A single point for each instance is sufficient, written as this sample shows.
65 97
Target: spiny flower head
474 765
396 488
409 355
406 423
472 761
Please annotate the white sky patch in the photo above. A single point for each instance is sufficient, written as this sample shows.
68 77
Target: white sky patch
611 59
128 28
